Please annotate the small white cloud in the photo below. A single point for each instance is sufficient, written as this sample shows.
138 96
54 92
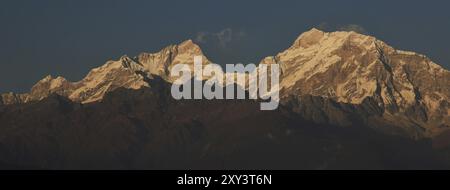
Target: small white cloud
201 37
221 38
354 28
225 36
349 27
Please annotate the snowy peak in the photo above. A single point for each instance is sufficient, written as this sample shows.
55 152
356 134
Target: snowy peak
171 53
126 72
161 63
348 67
345 57
315 37
189 47
309 38
48 85
134 73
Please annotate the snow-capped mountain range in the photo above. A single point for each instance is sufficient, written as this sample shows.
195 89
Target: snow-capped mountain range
348 72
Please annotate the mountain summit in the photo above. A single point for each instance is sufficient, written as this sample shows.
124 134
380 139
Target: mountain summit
352 68
127 72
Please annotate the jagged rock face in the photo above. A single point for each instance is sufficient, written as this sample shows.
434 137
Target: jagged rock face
162 62
50 85
107 78
130 73
398 88
134 73
348 67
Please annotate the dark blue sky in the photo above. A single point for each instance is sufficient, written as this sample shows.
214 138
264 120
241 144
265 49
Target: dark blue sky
68 37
